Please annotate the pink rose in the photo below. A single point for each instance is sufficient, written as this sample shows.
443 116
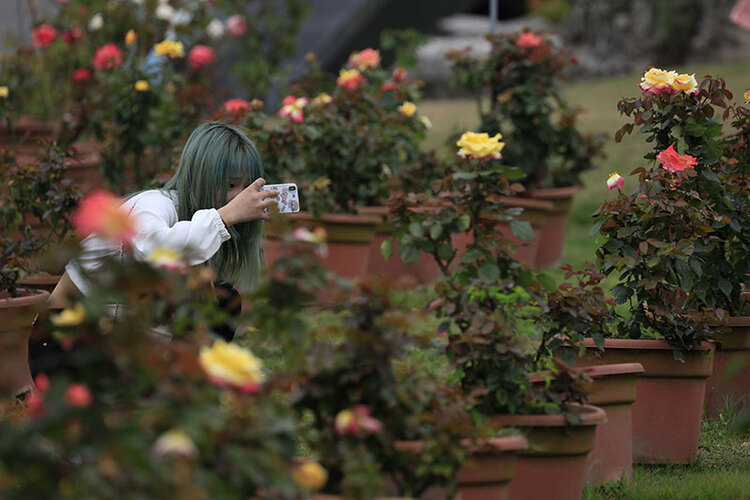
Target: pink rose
675 162
71 36
78 395
82 75
350 79
236 106
43 36
399 75
615 181
102 213
201 56
527 39
356 421
367 58
236 25
107 57
292 109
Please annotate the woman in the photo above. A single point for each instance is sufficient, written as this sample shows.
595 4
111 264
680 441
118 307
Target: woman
210 211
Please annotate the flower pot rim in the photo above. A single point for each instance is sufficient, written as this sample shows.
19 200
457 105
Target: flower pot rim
590 415
646 344
555 192
32 297
494 445
612 370
41 278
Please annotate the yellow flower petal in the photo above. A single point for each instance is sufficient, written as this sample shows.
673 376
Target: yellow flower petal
71 316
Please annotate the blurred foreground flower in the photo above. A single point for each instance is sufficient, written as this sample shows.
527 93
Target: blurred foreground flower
310 475
356 421
107 57
102 213
236 25
3 92
72 316
407 108
175 443
165 257
169 48
141 86
78 395
528 40
675 162
364 59
228 365
236 106
201 56
615 181
350 79
480 146
292 108
43 36
131 37
322 99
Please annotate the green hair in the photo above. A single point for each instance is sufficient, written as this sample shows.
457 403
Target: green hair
214 153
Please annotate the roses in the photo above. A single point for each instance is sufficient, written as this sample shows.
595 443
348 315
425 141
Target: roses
102 213
236 25
231 365
82 75
367 58
407 109
356 421
350 79
615 181
107 57
480 146
43 36
236 106
528 40
292 108
169 48
656 80
201 56
675 162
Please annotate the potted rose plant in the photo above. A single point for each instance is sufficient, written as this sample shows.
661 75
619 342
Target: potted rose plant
523 78
482 297
666 240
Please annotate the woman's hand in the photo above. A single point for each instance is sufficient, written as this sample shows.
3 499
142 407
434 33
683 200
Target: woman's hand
248 205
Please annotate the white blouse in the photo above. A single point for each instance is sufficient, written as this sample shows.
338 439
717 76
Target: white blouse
156 221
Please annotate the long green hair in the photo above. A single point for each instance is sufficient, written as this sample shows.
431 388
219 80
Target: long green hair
214 153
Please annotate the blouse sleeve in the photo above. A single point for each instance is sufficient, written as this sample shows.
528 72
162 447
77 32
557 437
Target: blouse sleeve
156 219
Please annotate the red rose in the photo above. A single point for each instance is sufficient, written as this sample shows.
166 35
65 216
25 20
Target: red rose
200 56
43 36
72 35
107 57
82 75
236 25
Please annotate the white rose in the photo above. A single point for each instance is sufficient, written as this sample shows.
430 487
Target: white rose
181 17
164 11
97 22
215 29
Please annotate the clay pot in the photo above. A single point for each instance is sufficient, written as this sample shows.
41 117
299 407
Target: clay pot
537 213
349 240
614 391
667 413
552 235
489 470
554 465
41 281
16 317
731 371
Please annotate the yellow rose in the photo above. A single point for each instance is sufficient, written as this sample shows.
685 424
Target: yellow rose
130 37
230 364
407 109
480 145
322 99
175 443
747 94
169 48
70 316
310 475
4 92
166 257
685 83
141 86
656 80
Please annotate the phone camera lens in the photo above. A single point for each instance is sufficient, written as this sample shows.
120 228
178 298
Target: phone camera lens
292 188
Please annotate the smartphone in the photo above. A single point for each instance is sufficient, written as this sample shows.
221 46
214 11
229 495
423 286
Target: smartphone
288 198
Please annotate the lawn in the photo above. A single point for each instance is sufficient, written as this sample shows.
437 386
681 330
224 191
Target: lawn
722 470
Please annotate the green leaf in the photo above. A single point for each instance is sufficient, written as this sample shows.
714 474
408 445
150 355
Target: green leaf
471 254
726 287
595 230
464 221
489 272
435 231
547 281
695 129
445 252
386 249
411 255
416 229
522 230
621 293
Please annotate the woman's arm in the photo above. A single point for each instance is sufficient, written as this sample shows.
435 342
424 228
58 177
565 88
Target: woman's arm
63 292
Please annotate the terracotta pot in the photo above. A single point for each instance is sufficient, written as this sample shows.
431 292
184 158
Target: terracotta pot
731 371
552 236
84 171
488 471
537 213
27 133
554 465
40 281
667 413
614 391
349 240
16 317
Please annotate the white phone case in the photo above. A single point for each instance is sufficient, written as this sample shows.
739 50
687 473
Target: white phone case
288 199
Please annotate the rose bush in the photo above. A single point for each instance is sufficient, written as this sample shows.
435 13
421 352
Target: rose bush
522 80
